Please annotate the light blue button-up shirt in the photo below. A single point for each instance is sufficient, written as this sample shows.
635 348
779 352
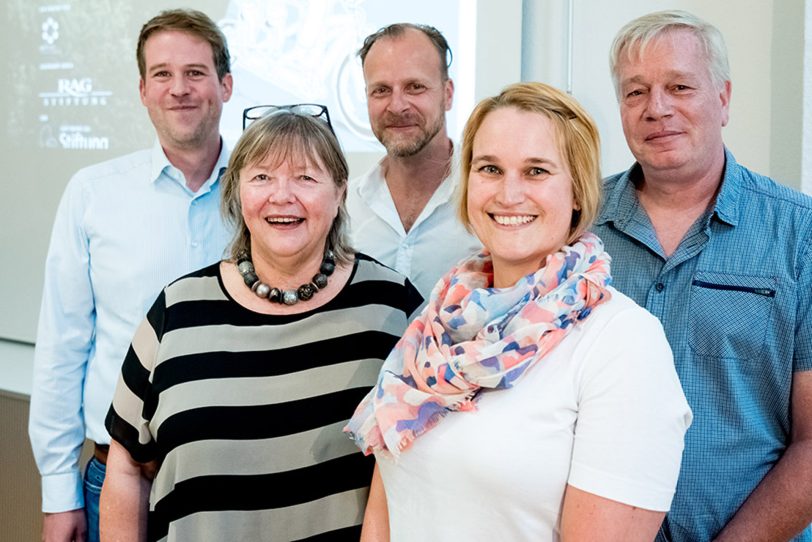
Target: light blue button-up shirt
734 299
124 229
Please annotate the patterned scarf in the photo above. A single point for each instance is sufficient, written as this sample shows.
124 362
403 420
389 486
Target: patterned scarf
472 336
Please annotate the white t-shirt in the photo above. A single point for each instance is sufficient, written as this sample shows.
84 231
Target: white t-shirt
604 412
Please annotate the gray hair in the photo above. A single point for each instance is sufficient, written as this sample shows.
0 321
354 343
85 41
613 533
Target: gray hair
282 136
637 34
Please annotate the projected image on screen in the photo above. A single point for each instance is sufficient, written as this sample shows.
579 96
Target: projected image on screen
80 91
68 92
70 98
290 51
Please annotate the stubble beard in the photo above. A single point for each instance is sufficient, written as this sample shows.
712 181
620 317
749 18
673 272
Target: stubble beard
189 137
404 148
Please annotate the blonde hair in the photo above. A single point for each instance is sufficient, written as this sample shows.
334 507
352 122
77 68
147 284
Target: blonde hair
578 140
282 136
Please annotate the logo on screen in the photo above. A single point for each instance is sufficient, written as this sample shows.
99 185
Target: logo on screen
50 31
78 87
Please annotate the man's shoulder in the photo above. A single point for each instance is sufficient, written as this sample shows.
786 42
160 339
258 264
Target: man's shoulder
362 189
118 167
372 173
758 187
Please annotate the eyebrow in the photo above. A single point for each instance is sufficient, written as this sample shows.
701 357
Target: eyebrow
528 161
671 75
164 65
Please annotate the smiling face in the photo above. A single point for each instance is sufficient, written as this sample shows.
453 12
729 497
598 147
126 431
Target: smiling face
288 206
520 197
671 109
181 90
407 96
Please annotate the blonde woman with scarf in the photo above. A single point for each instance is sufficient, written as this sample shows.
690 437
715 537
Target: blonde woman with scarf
530 400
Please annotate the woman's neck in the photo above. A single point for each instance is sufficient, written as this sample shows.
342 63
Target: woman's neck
286 273
243 295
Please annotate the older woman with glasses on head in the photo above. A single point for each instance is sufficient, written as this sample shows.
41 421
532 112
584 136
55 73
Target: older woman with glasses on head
240 378
530 400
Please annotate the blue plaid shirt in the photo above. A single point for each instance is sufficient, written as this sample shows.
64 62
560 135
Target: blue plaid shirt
734 299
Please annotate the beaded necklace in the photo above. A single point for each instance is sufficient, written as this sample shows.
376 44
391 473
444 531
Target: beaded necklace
288 297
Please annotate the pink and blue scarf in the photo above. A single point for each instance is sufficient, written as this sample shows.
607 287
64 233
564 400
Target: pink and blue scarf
472 336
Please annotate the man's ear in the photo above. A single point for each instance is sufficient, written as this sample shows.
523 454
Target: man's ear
449 94
228 84
724 96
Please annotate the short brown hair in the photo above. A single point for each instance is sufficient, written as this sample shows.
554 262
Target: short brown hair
193 22
398 29
578 140
281 136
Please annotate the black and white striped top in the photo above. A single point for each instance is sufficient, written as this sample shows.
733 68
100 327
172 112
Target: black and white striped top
244 411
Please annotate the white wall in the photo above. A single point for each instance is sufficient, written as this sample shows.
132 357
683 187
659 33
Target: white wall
766 58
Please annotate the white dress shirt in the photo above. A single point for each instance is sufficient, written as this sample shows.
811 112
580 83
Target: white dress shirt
434 244
124 229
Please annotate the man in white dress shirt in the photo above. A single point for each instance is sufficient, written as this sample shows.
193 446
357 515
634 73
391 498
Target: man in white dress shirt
404 212
124 229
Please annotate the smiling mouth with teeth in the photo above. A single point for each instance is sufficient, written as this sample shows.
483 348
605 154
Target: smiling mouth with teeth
512 220
284 220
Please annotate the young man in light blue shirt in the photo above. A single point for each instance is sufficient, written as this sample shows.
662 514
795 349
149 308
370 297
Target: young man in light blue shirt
723 257
124 229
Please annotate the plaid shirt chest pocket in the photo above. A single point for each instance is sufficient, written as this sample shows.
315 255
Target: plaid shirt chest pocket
730 314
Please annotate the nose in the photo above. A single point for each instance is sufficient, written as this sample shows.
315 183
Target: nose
180 86
511 191
658 104
397 101
280 191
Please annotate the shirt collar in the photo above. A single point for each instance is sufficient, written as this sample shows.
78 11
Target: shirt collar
621 196
162 168
727 207
371 183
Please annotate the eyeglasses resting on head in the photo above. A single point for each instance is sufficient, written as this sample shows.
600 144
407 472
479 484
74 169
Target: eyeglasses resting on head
314 110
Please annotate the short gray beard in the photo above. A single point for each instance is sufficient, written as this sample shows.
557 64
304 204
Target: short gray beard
413 147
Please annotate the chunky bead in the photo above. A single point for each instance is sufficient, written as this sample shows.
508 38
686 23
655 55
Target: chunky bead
320 280
250 279
289 297
327 267
245 266
262 290
275 295
305 291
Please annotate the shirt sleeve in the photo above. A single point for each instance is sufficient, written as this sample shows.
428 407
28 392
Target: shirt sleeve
632 415
134 400
803 330
64 341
